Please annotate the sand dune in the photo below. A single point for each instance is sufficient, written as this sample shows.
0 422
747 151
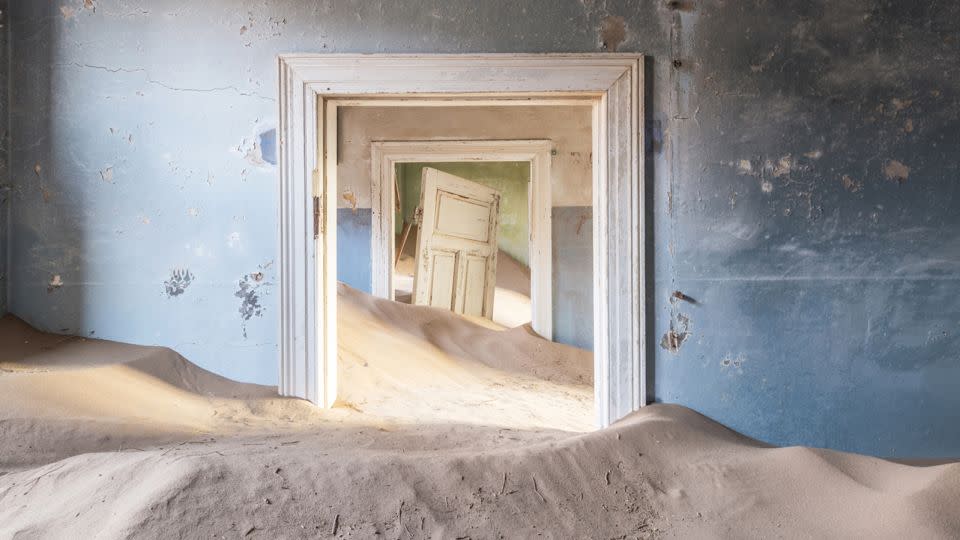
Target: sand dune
431 440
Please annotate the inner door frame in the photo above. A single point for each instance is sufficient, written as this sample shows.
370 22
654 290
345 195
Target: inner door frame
384 157
612 82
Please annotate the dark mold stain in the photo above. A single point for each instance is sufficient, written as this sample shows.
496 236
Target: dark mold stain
178 282
613 30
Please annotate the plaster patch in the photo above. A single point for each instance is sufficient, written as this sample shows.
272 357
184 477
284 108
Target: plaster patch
896 171
850 184
613 30
178 282
351 198
55 283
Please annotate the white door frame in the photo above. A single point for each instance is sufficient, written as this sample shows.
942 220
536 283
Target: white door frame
308 185
384 157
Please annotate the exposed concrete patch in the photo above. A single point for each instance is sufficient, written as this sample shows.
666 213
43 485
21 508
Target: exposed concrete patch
678 333
248 291
850 184
178 282
55 283
351 198
613 30
732 362
896 171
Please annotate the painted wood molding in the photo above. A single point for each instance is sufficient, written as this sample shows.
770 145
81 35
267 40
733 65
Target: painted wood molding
611 82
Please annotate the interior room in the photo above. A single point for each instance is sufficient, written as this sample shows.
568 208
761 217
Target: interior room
502 269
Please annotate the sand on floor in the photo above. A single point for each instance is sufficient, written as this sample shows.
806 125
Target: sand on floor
439 434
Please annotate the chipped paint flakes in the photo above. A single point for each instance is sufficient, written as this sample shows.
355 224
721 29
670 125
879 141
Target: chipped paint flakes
90 5
851 184
766 186
193 212
814 154
55 283
908 125
613 31
248 291
745 166
679 332
107 174
67 12
37 169
351 199
896 171
233 240
178 282
782 167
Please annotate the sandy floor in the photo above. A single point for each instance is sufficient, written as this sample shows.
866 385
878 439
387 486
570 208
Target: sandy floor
106 440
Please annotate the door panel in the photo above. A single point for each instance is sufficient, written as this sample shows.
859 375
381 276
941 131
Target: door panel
443 280
457 244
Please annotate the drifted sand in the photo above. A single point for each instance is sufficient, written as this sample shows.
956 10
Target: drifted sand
446 429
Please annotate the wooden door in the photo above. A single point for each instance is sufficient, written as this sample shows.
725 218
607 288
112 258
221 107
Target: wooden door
456 245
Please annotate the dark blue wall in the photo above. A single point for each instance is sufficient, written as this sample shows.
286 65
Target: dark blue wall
802 187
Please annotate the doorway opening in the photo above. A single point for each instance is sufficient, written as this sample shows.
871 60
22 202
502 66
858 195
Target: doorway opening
313 87
521 169
509 260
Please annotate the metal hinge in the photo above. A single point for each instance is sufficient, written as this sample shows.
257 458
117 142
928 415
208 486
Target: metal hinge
317 222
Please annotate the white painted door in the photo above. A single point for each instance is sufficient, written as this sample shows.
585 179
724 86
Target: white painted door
457 244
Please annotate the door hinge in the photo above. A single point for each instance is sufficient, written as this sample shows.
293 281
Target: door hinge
317 222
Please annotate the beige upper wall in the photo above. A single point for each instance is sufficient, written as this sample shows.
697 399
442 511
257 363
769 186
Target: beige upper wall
567 126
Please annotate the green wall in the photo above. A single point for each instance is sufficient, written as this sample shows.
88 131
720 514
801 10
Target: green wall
509 177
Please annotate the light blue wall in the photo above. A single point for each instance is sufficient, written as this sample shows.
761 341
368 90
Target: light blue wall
802 187
354 238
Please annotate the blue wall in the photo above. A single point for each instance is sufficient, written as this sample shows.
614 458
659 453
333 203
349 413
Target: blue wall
802 172
354 239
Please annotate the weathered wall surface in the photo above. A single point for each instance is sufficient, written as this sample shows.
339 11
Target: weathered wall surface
4 170
802 182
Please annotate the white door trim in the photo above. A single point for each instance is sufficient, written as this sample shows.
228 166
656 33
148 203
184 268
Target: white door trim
384 156
307 266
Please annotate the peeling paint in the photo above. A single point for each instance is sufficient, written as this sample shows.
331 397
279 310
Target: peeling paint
248 291
107 174
351 199
55 283
896 171
677 335
178 282
67 12
850 184
613 30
